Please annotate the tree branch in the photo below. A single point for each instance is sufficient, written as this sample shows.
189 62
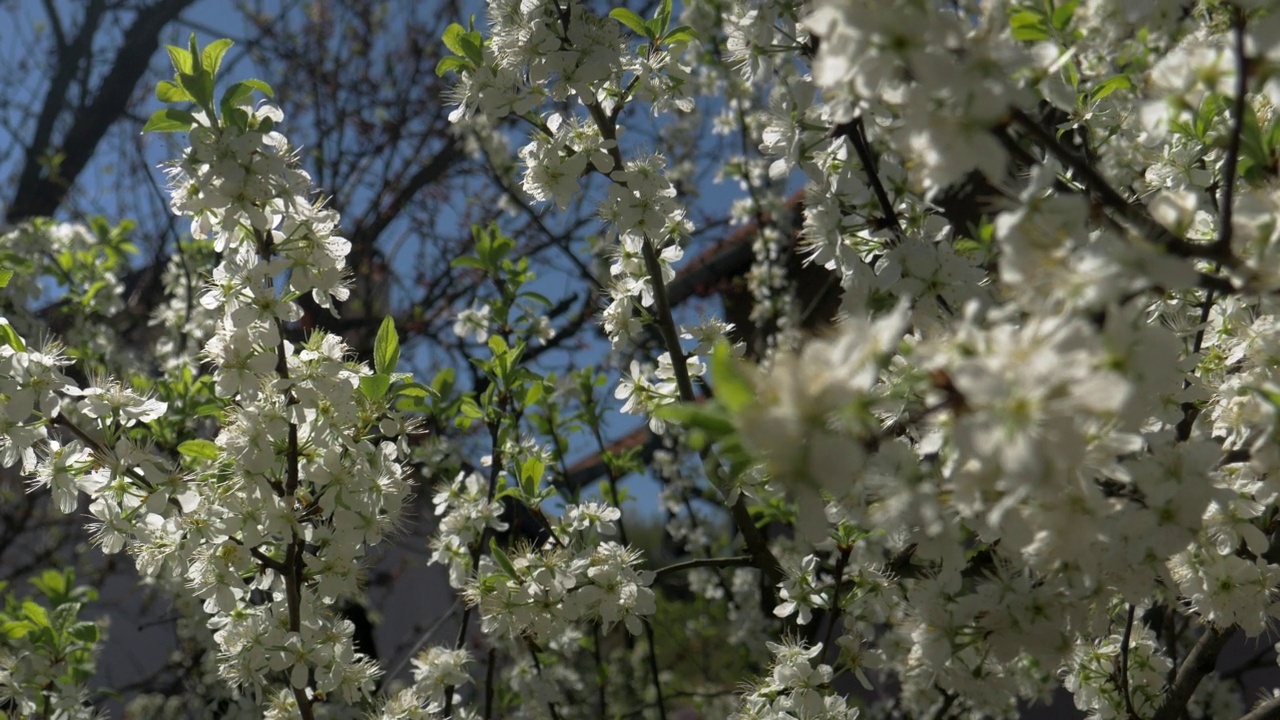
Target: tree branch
1200 662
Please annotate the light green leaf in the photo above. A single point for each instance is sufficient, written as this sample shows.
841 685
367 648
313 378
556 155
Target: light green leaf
415 390
631 20
10 338
36 613
386 347
374 387
211 57
202 449
469 408
453 38
732 387
468 261
1119 82
181 59
170 93
1028 26
5 277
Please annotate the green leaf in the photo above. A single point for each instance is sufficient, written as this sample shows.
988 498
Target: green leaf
536 297
415 390
471 48
170 93
181 59
631 20
469 408
211 57
386 347
1105 88
10 338
451 63
663 18
194 50
85 632
682 34
733 389
709 419
202 449
1062 14
453 38
241 90
53 584
200 85
534 393
35 613
503 561
1028 26
442 383
468 261
5 277
375 387
169 120
531 471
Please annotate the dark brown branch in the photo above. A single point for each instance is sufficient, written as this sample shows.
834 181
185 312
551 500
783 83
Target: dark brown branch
39 194
1101 188
1200 662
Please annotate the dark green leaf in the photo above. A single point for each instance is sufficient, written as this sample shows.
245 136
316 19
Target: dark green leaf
663 18
85 632
169 120
471 49
503 561
451 63
682 34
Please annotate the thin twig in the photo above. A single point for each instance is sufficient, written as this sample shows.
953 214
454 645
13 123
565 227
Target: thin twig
1269 710
1123 679
856 132
833 617
716 562
1232 162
